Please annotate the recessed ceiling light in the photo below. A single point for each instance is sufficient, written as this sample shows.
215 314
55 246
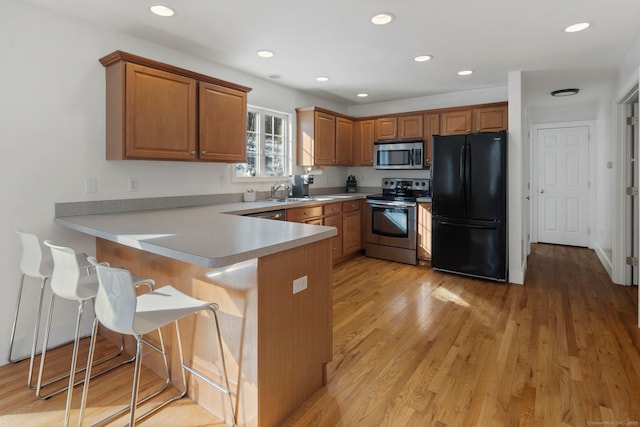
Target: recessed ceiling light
422 58
382 18
577 27
362 95
465 72
161 10
322 79
565 92
265 53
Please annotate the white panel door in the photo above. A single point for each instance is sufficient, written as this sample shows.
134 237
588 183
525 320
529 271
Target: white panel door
563 187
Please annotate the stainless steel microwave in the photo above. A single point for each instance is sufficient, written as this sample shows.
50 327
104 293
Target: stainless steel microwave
398 154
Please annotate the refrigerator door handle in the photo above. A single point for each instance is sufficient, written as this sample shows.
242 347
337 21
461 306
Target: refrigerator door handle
462 184
467 175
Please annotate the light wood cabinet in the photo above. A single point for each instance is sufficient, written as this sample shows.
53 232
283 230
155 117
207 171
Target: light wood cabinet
351 227
304 214
490 119
335 220
220 127
154 112
410 127
364 137
323 138
386 128
344 142
455 122
431 127
424 231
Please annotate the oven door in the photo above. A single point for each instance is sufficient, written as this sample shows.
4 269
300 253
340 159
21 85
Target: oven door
391 223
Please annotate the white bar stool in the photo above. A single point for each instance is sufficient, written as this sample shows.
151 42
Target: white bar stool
68 283
33 265
120 310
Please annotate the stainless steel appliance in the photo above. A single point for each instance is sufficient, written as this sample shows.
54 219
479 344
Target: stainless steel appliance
392 221
300 185
398 154
469 223
279 215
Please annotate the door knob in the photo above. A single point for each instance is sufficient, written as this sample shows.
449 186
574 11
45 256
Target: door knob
541 191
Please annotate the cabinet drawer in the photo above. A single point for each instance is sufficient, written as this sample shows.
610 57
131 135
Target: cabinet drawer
352 205
332 208
304 214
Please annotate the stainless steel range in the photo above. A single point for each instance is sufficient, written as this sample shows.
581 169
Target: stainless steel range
392 219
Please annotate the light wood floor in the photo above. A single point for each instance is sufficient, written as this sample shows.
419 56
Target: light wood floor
413 347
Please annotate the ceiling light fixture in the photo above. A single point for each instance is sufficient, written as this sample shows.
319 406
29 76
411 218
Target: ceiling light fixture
265 53
382 18
565 92
161 10
322 79
465 72
362 95
422 58
577 27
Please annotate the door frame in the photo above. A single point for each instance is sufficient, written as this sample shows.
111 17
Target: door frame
620 271
591 125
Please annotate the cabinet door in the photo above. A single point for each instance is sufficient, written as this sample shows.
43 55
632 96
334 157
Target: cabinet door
344 141
490 119
160 114
351 232
363 143
223 124
431 127
336 242
410 127
455 122
424 231
325 138
386 128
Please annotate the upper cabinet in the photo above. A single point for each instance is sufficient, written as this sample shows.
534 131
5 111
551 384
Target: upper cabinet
364 137
161 112
324 138
328 138
386 128
455 122
399 127
410 127
490 119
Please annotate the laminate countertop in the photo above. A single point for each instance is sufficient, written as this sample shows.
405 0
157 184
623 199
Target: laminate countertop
207 235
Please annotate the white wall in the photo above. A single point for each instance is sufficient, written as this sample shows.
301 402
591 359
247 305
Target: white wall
52 113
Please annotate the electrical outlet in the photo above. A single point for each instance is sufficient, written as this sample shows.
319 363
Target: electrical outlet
299 284
90 186
133 184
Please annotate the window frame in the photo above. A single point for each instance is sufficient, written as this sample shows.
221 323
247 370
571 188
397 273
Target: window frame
287 141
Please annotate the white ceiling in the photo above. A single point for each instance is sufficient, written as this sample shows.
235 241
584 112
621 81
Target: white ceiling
335 38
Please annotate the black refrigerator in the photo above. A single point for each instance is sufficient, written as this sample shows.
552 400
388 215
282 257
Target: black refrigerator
469 204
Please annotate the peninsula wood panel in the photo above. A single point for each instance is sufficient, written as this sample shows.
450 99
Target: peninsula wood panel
276 343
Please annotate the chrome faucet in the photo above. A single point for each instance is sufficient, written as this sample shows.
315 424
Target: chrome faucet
275 188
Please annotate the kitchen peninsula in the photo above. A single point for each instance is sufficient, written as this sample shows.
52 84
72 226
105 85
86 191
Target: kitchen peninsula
277 342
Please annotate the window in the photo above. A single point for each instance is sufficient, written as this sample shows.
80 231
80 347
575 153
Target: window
268 145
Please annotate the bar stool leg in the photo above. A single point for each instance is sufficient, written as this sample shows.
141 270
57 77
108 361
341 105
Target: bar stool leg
35 334
15 322
74 358
136 382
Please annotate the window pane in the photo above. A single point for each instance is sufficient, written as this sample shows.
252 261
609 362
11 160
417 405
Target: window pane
268 124
252 121
267 145
277 126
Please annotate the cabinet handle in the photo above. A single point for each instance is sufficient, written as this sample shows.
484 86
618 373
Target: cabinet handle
193 153
203 152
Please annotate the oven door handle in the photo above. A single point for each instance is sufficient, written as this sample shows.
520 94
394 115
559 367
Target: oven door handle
391 205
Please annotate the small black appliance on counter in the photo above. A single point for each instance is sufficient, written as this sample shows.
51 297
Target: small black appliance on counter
352 184
300 185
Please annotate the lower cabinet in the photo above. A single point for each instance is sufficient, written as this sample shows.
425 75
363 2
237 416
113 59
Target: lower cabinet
346 217
424 231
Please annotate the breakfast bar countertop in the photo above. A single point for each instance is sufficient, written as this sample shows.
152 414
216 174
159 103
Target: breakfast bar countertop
199 235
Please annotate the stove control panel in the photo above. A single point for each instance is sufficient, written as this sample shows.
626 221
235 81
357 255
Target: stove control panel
413 187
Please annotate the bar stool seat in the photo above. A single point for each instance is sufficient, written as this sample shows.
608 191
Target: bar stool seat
119 309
